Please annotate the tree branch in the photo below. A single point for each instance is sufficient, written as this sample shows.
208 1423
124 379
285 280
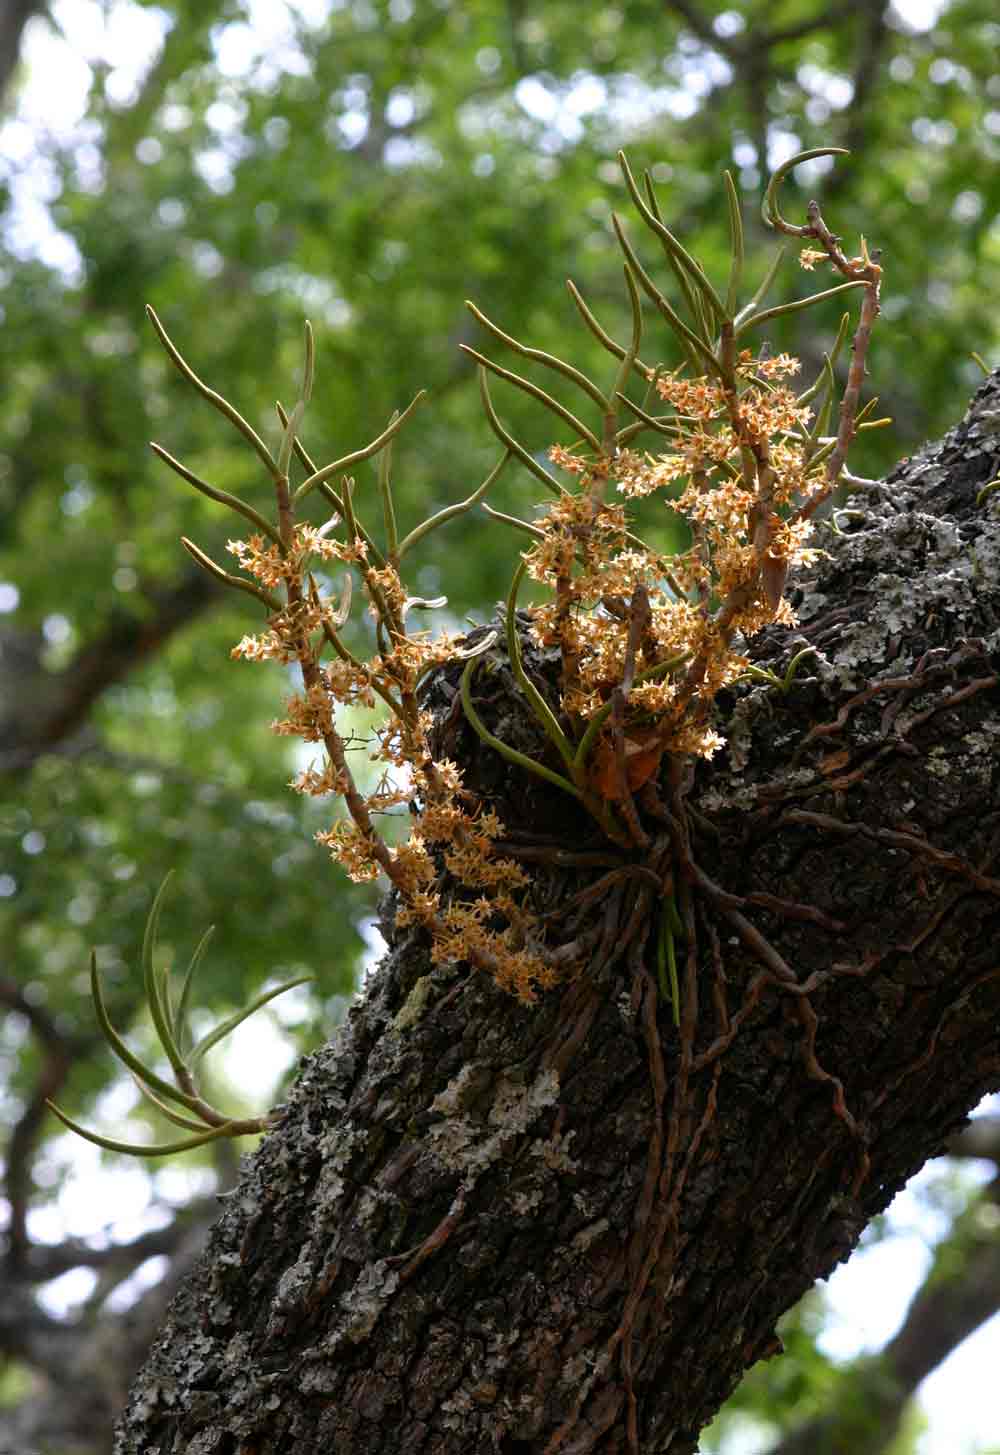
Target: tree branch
980 1139
961 1292
44 1261
57 1058
14 16
45 714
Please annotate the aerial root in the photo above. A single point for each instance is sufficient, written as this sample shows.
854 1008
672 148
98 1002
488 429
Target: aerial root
810 1023
937 663
616 910
434 1241
913 844
607 881
669 867
926 1055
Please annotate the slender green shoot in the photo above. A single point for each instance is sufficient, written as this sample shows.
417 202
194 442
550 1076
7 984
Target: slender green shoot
825 378
184 999
216 400
539 356
222 497
695 347
157 993
512 755
762 292
319 477
226 1027
155 1149
671 243
578 427
626 365
449 512
666 958
540 708
534 531
226 578
700 313
288 438
797 305
506 438
170 1023
769 207
601 335
783 684
735 246
384 476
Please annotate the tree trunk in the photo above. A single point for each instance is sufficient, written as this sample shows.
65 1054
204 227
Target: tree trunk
14 16
485 1226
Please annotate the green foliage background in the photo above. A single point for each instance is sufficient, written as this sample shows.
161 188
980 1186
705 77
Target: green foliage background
373 169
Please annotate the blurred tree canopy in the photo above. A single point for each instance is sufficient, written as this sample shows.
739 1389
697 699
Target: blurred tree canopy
369 165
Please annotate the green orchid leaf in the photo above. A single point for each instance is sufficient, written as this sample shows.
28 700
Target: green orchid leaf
152 1149
550 361
155 985
580 430
543 713
227 579
511 754
449 512
735 245
128 1057
226 1027
527 459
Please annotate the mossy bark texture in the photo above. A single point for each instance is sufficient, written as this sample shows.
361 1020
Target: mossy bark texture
484 1226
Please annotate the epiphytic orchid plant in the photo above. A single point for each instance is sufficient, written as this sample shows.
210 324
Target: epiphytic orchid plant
645 642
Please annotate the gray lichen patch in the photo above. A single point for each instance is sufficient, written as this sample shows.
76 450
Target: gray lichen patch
450 1101
468 1147
338 1146
292 1283
415 1005
554 1152
925 570
363 1303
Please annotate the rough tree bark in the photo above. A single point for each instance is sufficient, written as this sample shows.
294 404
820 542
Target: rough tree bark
485 1227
